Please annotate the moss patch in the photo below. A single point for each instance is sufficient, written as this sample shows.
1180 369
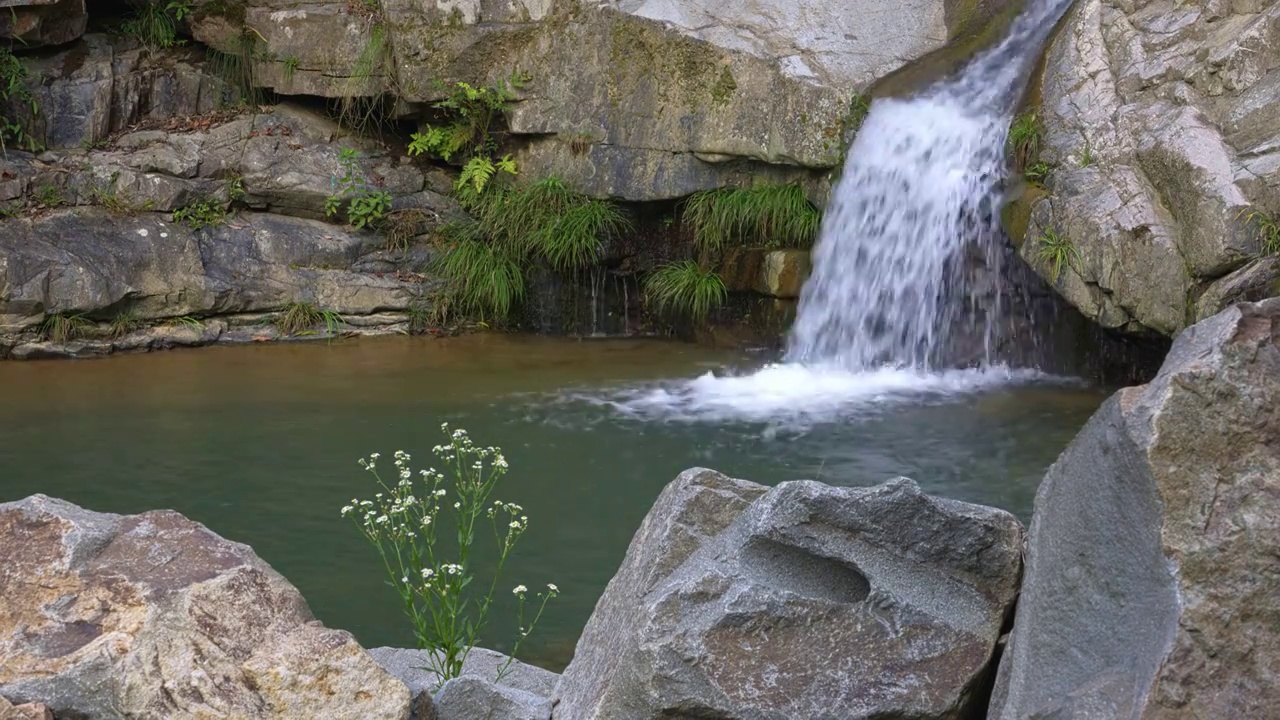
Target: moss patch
687 71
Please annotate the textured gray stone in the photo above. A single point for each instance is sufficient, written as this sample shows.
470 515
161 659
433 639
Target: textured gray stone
1151 573
154 616
524 693
1160 127
33 23
805 601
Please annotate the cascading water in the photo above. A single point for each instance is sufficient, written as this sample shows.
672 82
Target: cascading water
922 181
921 186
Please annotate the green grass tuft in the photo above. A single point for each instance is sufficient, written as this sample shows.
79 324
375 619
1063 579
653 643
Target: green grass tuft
300 318
764 214
1268 231
200 214
485 280
125 322
684 288
1024 140
186 321
64 327
1057 251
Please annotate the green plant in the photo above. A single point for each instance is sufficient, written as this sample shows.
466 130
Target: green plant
298 318
440 590
485 280
13 90
1268 231
291 64
1037 172
115 202
477 174
236 68
125 322
1024 140
365 206
1086 155
1057 251
472 110
235 188
64 327
684 288
154 23
186 321
763 214
202 213
50 196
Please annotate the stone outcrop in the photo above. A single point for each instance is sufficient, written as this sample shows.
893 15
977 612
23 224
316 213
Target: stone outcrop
33 23
1161 131
154 616
626 98
804 601
1152 575
523 693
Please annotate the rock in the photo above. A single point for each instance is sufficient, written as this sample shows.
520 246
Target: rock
1151 567
1160 131
805 601
34 23
669 97
86 260
25 711
153 615
524 693
775 273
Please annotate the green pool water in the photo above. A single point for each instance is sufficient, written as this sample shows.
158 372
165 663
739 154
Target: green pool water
260 443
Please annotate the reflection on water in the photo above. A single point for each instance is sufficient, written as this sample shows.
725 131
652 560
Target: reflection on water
260 444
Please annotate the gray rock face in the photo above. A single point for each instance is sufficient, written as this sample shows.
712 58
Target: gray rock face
1160 127
523 693
804 601
86 260
42 22
667 97
1151 578
154 616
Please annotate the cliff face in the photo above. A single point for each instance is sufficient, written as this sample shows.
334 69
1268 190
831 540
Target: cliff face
1162 138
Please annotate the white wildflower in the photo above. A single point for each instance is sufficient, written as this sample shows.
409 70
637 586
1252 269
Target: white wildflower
519 590
552 587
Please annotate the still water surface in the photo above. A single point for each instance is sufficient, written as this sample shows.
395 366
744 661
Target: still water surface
260 443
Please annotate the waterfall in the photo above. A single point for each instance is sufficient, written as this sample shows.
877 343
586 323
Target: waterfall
922 182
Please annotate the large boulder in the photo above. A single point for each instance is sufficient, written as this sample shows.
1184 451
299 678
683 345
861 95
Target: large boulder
804 601
154 616
1161 131
33 23
633 99
1152 574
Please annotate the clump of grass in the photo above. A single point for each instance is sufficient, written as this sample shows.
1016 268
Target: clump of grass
154 23
299 318
684 288
200 214
1056 251
109 197
187 321
402 226
1268 231
1024 140
764 214
49 196
291 64
1037 172
485 279
125 322
64 327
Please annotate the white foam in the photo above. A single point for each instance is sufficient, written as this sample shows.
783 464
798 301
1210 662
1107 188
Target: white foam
793 394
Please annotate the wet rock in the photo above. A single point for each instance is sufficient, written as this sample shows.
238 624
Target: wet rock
523 693
1151 567
805 601
33 23
153 615
1160 130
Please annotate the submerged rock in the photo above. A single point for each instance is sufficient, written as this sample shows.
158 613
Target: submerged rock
154 616
804 601
1152 576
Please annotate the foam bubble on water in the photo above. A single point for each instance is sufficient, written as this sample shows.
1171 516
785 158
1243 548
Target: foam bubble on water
795 394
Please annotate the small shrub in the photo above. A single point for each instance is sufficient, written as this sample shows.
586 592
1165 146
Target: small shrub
200 214
764 214
300 318
1057 252
1268 232
13 90
64 327
50 196
684 288
1024 140
125 322
365 206
441 592
154 23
